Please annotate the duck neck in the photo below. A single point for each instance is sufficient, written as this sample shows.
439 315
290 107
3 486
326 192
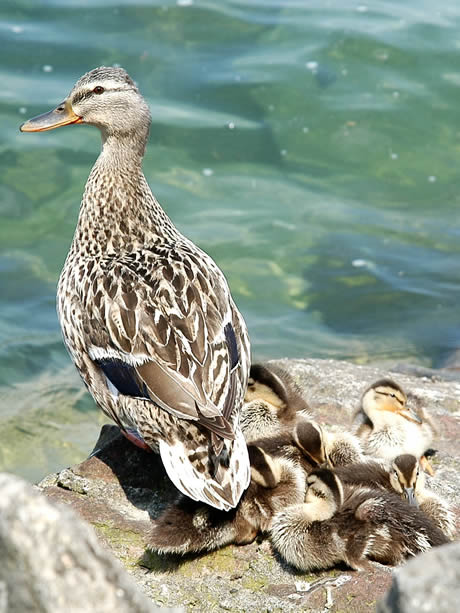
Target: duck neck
118 210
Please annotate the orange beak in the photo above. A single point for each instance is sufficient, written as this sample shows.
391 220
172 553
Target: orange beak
62 115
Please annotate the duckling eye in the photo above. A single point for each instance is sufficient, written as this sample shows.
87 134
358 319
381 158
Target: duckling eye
98 89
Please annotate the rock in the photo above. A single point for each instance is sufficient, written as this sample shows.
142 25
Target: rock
120 488
52 562
430 582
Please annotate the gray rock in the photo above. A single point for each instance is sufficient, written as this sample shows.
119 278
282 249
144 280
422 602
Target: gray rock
429 583
51 561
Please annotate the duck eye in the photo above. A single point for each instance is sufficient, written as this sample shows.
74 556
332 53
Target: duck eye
98 89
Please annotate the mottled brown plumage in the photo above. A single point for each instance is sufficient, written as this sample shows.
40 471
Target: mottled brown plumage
338 523
146 315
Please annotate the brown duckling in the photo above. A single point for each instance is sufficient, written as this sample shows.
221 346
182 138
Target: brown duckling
389 427
408 479
324 447
189 526
404 476
310 445
272 402
338 523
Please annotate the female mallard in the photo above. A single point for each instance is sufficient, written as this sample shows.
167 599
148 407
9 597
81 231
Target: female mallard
146 315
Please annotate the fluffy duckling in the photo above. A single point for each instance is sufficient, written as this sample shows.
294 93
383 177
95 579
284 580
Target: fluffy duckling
327 448
188 526
408 479
342 448
390 427
405 477
337 523
272 402
311 446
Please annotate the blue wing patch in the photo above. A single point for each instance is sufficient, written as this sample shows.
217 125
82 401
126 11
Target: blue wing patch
123 377
232 346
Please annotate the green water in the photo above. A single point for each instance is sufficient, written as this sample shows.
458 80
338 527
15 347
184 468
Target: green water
312 148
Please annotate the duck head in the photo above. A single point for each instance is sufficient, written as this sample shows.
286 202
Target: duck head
105 97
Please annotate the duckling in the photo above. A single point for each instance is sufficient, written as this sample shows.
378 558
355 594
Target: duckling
188 526
323 447
146 315
272 402
338 523
342 448
404 477
310 445
408 479
390 427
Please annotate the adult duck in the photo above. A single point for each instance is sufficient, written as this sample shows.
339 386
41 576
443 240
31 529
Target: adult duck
146 315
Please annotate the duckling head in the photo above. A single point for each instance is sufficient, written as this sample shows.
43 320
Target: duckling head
266 385
309 438
405 476
265 470
324 494
105 97
385 399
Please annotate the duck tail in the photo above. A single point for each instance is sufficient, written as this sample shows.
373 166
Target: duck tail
215 479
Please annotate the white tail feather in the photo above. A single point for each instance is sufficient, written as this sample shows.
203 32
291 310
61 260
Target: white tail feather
201 486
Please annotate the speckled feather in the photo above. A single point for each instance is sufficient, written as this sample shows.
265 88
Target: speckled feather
146 315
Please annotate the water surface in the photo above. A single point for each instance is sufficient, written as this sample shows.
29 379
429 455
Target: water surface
311 148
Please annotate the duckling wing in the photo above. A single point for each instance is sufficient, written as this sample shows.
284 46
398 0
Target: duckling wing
164 327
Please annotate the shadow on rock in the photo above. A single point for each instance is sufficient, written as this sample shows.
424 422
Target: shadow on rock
140 473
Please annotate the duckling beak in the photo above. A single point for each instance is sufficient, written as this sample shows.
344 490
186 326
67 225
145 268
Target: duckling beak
62 115
410 495
409 414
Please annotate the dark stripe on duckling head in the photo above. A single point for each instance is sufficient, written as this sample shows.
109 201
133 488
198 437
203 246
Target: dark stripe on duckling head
232 346
262 374
386 383
331 481
123 377
406 463
309 440
262 467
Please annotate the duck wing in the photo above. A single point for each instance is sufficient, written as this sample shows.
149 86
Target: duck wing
164 327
